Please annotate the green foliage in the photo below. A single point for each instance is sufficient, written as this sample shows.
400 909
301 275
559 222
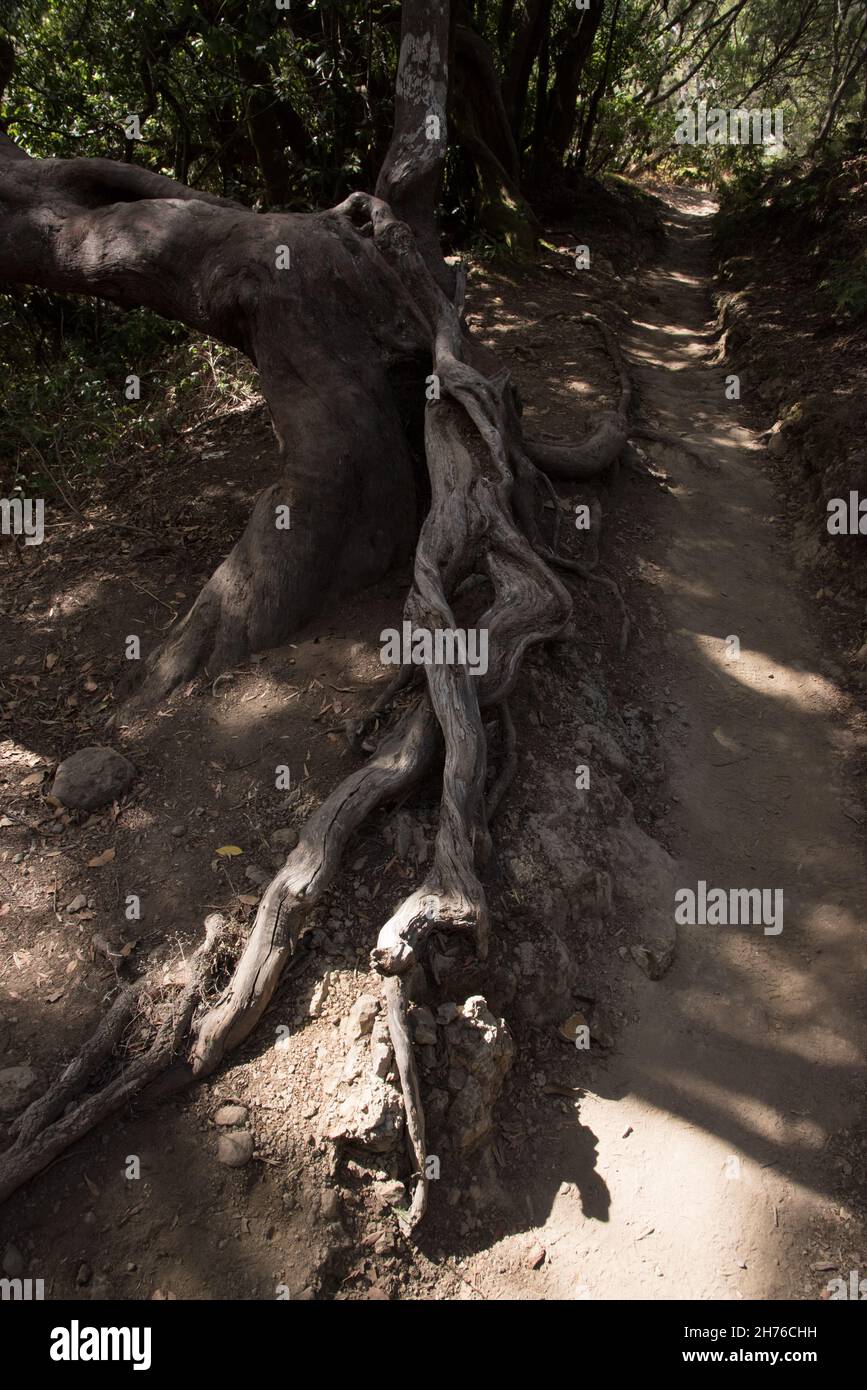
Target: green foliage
846 288
62 396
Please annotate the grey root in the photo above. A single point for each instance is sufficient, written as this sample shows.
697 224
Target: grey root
367 293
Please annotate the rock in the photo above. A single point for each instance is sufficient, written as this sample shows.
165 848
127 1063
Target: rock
284 838
381 1055
236 1149
18 1087
480 1052
569 1029
654 960
231 1115
84 1275
319 996
92 777
390 1193
76 904
536 1257
361 1016
366 1109
13 1262
424 1030
329 1205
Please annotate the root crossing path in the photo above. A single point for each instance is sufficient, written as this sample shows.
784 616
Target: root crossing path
742 1078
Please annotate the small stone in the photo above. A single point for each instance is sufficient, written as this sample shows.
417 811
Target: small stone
654 960
329 1205
91 778
13 1262
235 1150
390 1193
446 1013
231 1115
570 1028
423 1027
285 838
536 1257
84 1275
177 831
361 1016
77 904
18 1087
319 996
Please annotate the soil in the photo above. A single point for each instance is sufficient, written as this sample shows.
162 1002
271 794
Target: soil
711 1142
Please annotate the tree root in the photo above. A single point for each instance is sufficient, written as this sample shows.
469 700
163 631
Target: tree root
42 1137
483 478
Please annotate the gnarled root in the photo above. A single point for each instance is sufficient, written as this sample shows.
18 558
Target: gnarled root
481 522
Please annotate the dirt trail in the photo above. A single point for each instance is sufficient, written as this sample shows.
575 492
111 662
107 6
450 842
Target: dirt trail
742 1078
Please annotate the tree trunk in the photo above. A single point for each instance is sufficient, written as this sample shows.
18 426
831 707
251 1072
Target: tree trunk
409 180
359 296
525 51
486 137
559 125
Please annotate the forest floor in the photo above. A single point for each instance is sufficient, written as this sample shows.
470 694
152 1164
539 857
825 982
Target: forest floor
713 1141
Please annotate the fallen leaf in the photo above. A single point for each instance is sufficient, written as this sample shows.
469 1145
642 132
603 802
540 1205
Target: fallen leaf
50 660
226 850
33 780
100 859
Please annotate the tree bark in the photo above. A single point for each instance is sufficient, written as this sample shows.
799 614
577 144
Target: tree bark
410 178
559 125
360 295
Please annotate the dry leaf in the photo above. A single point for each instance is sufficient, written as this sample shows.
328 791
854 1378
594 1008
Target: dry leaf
226 850
50 660
100 859
33 780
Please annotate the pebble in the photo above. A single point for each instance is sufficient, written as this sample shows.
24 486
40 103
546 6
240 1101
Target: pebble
235 1150
18 1087
231 1115
13 1262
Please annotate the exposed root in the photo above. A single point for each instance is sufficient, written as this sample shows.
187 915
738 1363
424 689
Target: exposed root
482 521
673 441
42 1137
